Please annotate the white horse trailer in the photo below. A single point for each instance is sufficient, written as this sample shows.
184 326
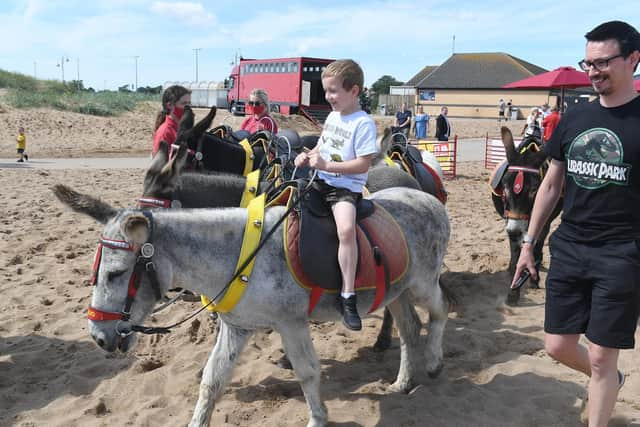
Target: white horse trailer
204 94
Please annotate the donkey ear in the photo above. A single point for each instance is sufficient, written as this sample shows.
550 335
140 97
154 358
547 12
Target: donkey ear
509 147
538 158
186 122
135 228
205 123
173 167
383 144
96 209
160 158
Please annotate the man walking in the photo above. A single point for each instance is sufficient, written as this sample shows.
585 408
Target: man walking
593 284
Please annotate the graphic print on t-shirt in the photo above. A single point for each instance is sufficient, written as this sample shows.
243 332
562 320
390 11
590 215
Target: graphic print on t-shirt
334 146
594 159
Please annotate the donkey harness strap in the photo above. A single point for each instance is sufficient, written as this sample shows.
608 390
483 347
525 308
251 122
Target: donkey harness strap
248 156
250 241
388 160
250 188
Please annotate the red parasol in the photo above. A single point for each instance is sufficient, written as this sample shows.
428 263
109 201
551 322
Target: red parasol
560 78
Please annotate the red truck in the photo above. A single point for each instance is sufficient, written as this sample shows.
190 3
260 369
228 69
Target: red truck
293 85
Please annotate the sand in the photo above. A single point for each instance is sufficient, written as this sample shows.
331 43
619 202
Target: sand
496 372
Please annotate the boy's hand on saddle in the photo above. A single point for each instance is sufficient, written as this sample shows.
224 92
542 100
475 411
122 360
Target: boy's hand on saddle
301 160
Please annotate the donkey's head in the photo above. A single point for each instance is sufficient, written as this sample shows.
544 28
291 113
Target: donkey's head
520 181
163 174
383 143
188 132
124 291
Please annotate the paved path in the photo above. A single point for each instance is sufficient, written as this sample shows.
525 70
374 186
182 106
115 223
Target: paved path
468 150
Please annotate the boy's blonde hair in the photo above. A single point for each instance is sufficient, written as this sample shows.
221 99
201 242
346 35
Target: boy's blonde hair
348 71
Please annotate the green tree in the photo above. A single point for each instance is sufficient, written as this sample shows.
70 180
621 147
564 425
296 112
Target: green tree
381 87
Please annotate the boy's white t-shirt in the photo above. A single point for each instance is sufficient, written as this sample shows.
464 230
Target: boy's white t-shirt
345 138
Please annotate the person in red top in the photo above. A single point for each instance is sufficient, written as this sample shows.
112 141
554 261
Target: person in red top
258 108
174 99
549 123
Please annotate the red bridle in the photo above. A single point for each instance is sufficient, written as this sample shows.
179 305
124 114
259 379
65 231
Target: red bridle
143 263
518 186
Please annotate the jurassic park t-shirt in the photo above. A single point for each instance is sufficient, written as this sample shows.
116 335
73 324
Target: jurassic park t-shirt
600 148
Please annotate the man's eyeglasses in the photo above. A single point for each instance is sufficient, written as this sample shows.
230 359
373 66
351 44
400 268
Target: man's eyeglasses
254 103
598 64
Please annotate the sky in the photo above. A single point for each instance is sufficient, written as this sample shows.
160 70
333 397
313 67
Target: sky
111 43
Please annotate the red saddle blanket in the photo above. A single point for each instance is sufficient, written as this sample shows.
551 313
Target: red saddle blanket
384 233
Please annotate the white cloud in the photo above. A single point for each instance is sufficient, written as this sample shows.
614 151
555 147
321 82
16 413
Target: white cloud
191 13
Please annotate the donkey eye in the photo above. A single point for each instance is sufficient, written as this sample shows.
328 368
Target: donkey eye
115 274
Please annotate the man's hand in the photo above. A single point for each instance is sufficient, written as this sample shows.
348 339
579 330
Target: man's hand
525 261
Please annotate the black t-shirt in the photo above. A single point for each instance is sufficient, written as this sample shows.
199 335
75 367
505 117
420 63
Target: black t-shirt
600 148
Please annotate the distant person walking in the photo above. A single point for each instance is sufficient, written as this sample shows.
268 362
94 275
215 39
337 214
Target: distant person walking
443 127
174 99
502 106
421 123
508 110
21 145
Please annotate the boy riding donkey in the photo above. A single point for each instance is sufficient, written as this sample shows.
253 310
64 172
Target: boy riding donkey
342 158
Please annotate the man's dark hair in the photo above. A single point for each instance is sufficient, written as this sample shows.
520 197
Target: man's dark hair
626 36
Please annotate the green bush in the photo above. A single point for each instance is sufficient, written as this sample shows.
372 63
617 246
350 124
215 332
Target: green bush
27 92
17 80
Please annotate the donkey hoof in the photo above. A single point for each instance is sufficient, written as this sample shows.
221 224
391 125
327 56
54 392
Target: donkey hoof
284 363
435 372
402 387
513 297
382 344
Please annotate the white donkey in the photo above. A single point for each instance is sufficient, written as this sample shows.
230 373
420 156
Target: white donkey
198 250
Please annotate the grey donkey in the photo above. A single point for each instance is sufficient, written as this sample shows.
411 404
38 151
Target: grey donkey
166 182
182 244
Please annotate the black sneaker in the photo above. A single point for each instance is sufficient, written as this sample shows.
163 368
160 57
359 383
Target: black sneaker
20 160
350 316
26 157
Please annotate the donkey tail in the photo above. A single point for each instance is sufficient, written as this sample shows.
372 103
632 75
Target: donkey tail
449 296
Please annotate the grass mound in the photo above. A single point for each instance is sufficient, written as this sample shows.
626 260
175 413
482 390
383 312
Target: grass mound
26 92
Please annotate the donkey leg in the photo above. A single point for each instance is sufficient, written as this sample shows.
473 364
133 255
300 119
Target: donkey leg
434 300
299 347
229 345
411 352
384 336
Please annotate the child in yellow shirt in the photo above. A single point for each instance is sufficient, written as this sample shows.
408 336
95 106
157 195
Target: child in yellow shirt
21 145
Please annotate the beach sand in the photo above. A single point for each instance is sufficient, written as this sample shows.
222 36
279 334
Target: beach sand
496 372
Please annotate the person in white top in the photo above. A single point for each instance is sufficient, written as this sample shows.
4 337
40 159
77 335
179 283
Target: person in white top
342 158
